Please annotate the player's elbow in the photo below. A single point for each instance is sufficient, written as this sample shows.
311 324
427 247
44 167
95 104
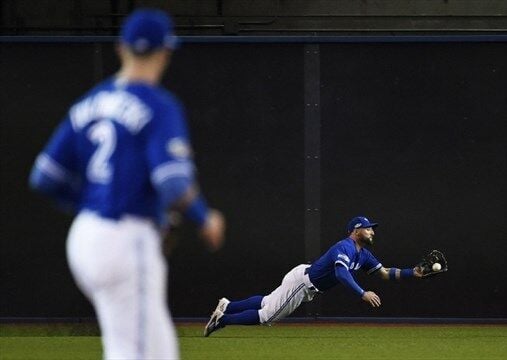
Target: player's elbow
173 190
41 183
383 273
65 194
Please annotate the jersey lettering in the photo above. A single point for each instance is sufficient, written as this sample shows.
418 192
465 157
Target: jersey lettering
355 266
124 108
344 257
99 169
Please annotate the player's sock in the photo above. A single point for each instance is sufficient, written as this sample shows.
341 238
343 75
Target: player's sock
252 303
247 317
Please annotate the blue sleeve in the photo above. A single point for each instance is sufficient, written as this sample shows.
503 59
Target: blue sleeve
342 255
170 160
54 172
61 149
343 275
172 189
169 153
371 264
65 196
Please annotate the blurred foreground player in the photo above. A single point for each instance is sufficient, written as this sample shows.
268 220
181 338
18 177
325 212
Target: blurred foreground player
120 159
334 267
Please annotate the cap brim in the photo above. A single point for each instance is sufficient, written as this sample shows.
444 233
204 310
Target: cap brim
171 42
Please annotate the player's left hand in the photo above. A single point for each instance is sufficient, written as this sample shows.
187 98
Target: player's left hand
213 230
432 264
418 272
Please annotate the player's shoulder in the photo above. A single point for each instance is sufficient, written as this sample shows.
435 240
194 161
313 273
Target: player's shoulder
347 242
345 245
167 98
101 86
160 100
366 251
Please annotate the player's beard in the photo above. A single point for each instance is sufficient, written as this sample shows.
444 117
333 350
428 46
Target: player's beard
366 241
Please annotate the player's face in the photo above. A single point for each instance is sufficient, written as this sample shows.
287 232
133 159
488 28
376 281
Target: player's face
365 236
165 58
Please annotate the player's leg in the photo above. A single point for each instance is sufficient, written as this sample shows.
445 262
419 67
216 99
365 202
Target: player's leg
246 311
275 306
280 303
161 339
252 303
119 322
219 320
285 299
243 312
101 261
137 322
124 275
135 326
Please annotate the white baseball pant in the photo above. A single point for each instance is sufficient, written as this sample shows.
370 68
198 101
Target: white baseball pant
120 267
295 289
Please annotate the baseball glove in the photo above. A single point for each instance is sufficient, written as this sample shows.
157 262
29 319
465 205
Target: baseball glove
427 266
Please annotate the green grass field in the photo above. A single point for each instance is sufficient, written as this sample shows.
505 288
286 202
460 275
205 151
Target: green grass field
282 341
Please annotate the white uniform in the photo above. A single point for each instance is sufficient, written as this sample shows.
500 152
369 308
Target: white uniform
300 285
124 168
120 158
295 289
120 267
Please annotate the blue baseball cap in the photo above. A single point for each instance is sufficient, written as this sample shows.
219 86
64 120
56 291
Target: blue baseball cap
359 222
146 30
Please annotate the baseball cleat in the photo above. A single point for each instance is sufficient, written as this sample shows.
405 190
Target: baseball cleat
222 304
214 323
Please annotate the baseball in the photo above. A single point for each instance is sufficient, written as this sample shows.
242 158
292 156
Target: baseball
436 267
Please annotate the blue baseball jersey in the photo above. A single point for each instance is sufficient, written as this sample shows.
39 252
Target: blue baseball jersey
343 253
115 149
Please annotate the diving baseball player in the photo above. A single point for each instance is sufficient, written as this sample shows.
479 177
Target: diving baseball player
120 159
336 266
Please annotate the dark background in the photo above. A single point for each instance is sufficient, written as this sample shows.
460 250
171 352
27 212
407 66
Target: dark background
260 17
412 135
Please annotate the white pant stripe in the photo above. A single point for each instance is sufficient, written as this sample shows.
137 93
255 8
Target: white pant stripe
141 290
298 289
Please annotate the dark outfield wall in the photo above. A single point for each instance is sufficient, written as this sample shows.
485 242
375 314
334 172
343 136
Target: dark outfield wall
413 135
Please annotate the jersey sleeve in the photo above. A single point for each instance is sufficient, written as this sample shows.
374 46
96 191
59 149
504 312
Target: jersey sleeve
169 154
371 264
343 254
54 172
58 159
343 275
168 146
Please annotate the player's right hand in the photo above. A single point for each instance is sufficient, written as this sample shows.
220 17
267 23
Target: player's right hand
372 298
213 230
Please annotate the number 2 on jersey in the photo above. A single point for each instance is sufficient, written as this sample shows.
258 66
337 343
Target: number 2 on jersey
99 169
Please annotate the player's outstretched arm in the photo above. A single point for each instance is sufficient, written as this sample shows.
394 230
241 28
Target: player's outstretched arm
432 264
397 274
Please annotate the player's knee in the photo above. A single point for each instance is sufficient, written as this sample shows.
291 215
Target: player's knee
264 315
268 316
